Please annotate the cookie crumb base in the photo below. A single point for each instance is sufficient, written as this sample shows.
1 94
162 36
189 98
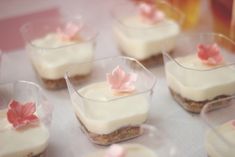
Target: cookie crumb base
195 106
122 134
61 83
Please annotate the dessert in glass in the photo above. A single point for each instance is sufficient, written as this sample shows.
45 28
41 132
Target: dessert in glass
25 117
54 45
200 70
112 103
140 29
220 138
153 143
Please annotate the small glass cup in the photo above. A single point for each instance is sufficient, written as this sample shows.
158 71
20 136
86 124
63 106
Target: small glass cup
29 140
144 41
221 121
191 83
110 109
51 55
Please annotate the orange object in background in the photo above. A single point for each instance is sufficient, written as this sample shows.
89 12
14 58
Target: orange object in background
223 12
191 9
222 15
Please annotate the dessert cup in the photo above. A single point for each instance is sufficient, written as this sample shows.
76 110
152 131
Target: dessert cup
107 116
54 45
193 80
143 40
23 133
220 139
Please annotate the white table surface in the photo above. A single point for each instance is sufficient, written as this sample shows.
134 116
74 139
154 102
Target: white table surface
184 129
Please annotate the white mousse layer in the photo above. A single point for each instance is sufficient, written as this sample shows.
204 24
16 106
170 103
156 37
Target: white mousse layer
52 57
132 150
141 40
21 143
216 147
203 83
103 114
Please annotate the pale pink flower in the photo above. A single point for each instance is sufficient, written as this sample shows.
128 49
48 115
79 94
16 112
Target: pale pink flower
20 115
209 54
120 81
150 13
70 32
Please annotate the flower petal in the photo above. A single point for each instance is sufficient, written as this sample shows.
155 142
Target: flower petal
115 150
69 32
119 81
113 81
28 109
13 104
16 107
11 116
32 118
150 13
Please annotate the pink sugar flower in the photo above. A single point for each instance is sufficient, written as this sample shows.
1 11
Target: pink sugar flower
20 115
70 32
233 123
120 82
115 150
150 13
209 54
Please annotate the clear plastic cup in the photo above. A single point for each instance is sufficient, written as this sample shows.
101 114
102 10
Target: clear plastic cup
99 112
191 83
29 140
51 55
143 41
220 140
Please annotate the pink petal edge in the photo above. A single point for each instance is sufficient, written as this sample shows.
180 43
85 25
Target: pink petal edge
233 123
115 150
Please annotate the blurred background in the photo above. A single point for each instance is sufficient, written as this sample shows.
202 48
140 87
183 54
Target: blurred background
201 15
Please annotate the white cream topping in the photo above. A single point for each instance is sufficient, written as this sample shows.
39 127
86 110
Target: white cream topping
54 56
216 147
205 83
21 143
107 115
133 150
141 40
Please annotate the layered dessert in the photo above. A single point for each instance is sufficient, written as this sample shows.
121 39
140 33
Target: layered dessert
143 35
56 52
111 111
125 150
196 79
21 132
220 142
